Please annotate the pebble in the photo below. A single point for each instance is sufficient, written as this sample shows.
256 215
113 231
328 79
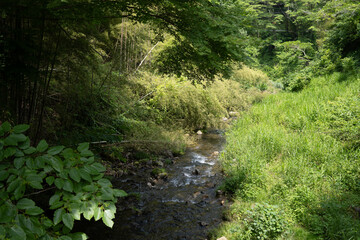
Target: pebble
222 238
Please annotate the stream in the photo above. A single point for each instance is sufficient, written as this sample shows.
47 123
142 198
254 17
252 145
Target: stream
183 206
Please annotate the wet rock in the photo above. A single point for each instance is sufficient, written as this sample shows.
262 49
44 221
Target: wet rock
159 163
163 175
210 185
199 132
159 173
205 197
196 194
168 153
196 171
222 238
203 224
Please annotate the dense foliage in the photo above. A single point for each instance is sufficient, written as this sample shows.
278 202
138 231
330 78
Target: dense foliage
140 75
45 189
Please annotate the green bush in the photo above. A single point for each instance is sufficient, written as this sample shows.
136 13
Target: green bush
43 189
341 119
265 221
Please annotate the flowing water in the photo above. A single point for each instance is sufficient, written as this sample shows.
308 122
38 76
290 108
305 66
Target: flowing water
184 206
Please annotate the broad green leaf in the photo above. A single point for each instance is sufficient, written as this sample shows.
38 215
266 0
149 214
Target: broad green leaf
13 185
30 163
10 141
25 203
99 167
36 185
83 147
46 222
98 214
104 182
59 183
54 198
35 181
4 174
56 163
74 174
112 209
107 194
9 152
6 126
20 191
58 215
87 153
91 170
84 175
17 233
42 146
78 236
68 220
64 174
40 161
55 150
50 180
119 193
65 238
107 221
68 186
26 223
7 212
68 153
30 150
75 212
25 145
18 137
19 153
19 162
56 205
90 188
34 211
88 213
21 128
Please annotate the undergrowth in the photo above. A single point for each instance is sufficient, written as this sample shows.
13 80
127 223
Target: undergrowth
299 152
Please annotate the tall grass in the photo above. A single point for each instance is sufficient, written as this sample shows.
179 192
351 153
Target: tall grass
282 154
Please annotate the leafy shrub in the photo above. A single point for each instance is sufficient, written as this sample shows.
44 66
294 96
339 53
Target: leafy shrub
45 189
249 77
265 222
341 119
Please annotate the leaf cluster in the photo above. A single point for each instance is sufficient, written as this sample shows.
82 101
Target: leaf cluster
70 180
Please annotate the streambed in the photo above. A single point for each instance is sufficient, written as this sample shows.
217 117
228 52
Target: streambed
184 206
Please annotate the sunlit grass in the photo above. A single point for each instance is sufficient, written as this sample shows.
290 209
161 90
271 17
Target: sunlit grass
278 154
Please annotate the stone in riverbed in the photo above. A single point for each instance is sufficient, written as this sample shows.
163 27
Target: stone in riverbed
196 171
203 224
222 238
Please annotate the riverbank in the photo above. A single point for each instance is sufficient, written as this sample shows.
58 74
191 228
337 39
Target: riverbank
292 165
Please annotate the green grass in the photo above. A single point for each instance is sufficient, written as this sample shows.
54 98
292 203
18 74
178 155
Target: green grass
286 153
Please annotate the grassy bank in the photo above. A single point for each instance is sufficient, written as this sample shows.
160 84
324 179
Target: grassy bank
292 165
